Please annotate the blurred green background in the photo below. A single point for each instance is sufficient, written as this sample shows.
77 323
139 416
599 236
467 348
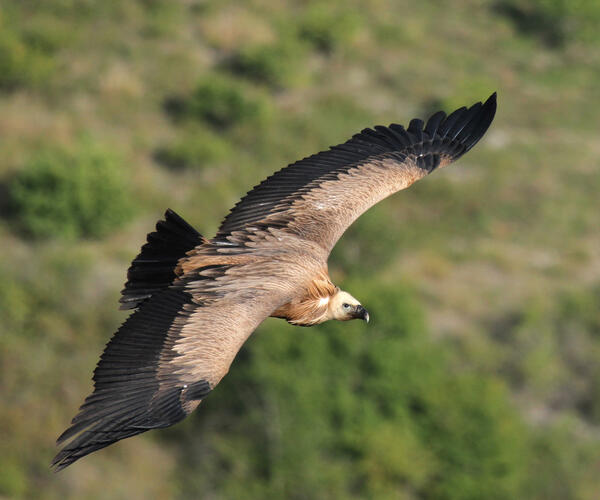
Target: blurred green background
479 375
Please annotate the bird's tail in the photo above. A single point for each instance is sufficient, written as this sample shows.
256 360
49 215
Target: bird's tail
153 269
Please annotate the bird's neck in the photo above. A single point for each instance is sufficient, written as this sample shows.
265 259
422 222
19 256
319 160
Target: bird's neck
311 307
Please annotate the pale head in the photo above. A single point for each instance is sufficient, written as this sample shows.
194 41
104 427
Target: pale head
343 307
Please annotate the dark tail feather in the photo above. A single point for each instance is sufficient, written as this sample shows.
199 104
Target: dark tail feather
153 269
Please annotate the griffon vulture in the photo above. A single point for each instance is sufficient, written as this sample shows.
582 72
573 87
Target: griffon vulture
195 301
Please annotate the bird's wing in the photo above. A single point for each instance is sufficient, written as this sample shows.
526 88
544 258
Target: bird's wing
317 198
169 354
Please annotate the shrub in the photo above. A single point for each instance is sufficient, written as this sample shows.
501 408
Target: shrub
25 56
275 65
327 28
555 21
161 18
223 102
20 65
70 193
196 147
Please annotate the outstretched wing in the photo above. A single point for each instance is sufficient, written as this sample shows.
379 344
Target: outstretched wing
317 198
168 356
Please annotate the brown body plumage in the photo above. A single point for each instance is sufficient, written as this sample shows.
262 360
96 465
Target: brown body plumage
196 301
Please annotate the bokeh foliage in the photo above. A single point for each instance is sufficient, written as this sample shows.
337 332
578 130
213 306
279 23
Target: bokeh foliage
25 56
222 101
61 193
277 65
478 375
556 22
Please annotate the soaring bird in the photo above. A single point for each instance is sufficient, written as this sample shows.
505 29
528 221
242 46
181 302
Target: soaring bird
195 301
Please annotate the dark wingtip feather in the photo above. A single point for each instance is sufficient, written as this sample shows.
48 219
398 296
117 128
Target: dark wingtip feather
434 122
464 127
480 125
415 127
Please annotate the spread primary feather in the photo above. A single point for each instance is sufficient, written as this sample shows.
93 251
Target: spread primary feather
196 301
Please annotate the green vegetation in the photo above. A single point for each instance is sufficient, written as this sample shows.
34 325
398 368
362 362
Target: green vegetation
222 102
328 26
478 375
555 21
70 193
25 58
275 65
195 148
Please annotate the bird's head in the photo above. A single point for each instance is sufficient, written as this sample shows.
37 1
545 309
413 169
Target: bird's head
344 307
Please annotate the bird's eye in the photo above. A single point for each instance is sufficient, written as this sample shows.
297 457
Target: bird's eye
346 306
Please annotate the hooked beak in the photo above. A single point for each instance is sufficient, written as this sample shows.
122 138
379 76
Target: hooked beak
361 313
